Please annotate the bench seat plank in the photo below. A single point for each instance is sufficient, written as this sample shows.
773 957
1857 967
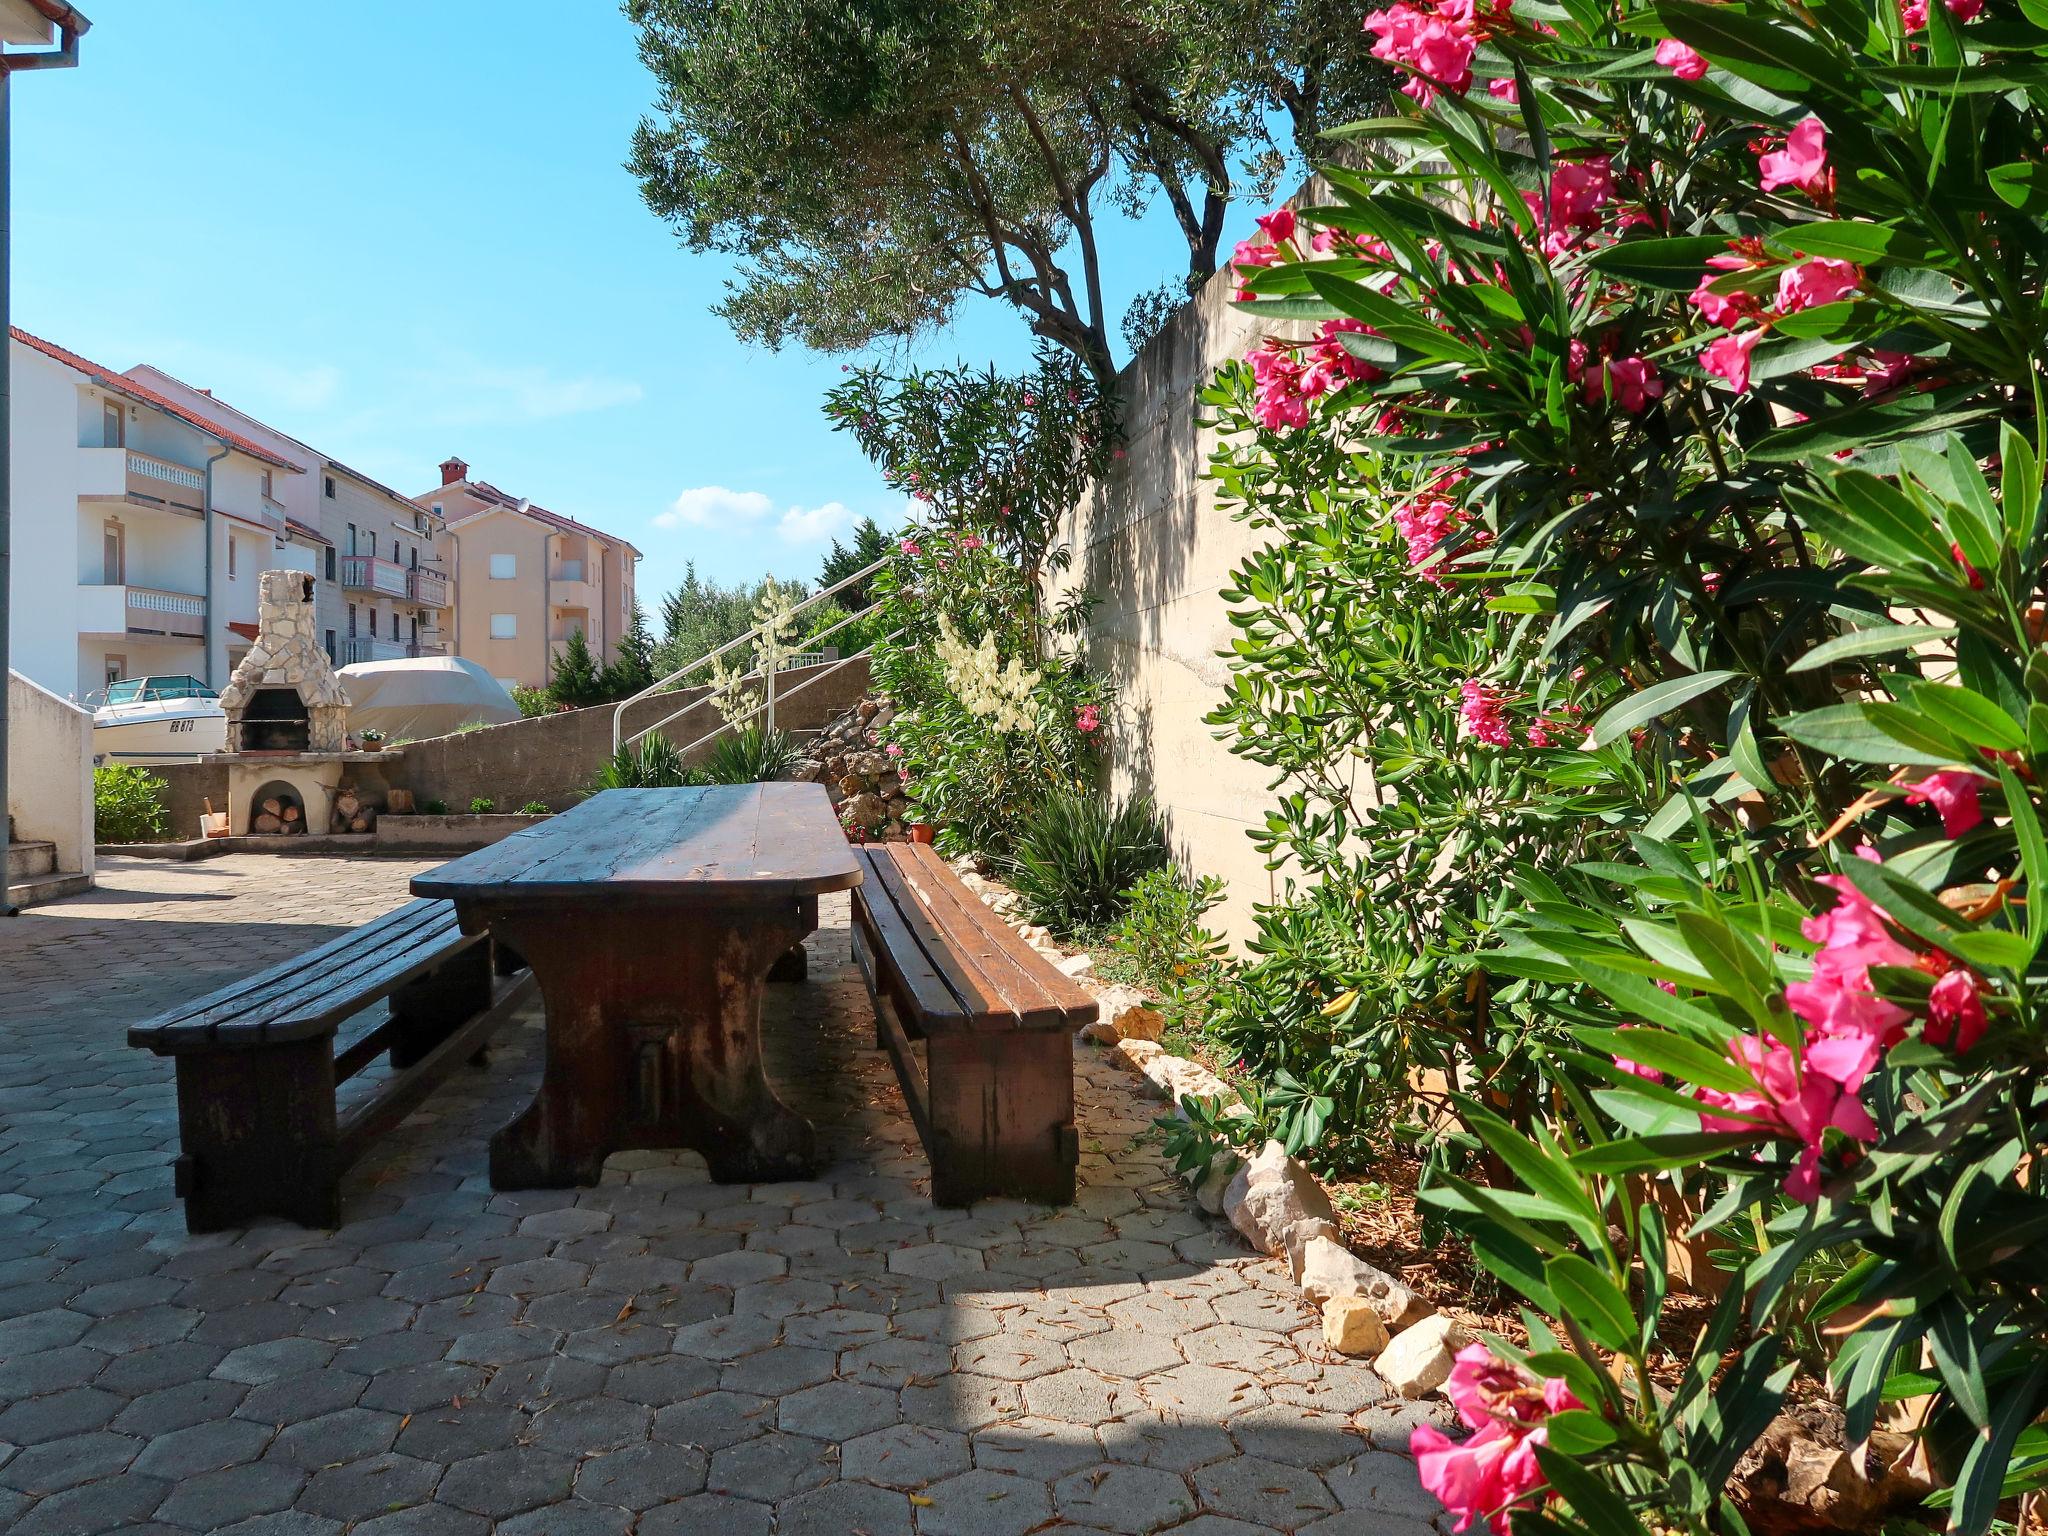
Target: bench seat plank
1036 993
307 996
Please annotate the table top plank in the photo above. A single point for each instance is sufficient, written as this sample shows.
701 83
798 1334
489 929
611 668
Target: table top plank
724 842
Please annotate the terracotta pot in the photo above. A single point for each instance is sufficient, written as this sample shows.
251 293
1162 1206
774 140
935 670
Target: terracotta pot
920 831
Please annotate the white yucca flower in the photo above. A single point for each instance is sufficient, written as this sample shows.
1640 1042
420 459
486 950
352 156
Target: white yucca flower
986 687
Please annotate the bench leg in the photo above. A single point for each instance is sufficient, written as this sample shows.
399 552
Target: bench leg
256 1130
427 1011
1002 1116
794 963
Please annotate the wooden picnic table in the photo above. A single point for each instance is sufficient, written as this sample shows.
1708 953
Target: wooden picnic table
651 919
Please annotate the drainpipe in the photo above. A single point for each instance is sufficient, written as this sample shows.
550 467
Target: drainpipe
206 523
547 609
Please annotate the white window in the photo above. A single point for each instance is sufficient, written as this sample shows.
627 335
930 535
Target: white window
504 567
231 557
504 626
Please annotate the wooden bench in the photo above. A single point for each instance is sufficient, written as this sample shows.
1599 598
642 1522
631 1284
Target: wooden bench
992 1090
260 1059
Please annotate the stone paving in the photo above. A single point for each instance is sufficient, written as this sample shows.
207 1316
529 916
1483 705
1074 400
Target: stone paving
658 1354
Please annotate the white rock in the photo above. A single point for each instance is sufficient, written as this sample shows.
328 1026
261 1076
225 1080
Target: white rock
1328 1270
1101 1032
1135 1053
1178 1078
1222 1169
1419 1359
1035 936
1351 1326
1301 1237
1075 965
1270 1194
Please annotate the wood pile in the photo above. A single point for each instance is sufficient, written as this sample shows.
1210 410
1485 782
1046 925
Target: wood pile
279 813
351 814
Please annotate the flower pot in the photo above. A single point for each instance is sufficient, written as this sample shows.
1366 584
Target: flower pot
920 831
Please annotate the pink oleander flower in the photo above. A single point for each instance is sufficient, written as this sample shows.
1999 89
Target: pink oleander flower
1249 256
1724 308
893 750
1088 719
1329 366
1030 400
1681 60
909 547
1820 280
1802 1098
971 541
1435 43
1480 708
1424 522
1496 1468
1801 163
1728 357
1637 1067
1277 399
1839 1000
1278 226
1971 574
1953 792
1913 13
1955 1011
1504 89
1579 189
1631 381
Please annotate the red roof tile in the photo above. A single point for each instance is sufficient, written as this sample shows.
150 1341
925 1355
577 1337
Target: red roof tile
308 531
246 631
107 378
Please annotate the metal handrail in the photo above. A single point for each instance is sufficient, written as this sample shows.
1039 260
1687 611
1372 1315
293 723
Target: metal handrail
728 725
662 685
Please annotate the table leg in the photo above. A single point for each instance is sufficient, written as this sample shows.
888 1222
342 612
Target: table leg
653 1040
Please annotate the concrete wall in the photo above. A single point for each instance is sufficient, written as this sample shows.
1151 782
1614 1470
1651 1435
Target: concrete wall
49 772
1153 547
551 759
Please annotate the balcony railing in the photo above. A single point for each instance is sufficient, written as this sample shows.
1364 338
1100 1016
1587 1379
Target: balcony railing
427 588
357 648
368 573
125 474
110 608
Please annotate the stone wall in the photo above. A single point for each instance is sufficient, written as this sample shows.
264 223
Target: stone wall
550 759
1155 549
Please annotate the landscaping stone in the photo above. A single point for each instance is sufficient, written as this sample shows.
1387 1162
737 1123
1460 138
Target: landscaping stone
1269 1195
1352 1325
1329 1269
1419 1358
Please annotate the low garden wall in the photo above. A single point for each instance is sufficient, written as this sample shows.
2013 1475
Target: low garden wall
549 760
49 772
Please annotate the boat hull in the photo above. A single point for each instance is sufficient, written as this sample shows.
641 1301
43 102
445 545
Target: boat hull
160 737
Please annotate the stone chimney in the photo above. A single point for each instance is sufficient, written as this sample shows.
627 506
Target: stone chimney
285 687
452 470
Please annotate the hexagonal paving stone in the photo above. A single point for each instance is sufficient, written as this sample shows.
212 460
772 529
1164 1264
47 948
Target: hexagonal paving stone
839 1508
1126 1352
737 1268
1010 1358
590 1424
1157 1312
1361 1522
961 1400
342 1436
1341 1388
896 1363
1040 1448
1264 1492
984 1503
658 1382
571 1517
708 1512
837 1411
203 1447
835 1327
935 1261
1115 1497
215 1499
1302 1437
1243 1349
426 1520
1271 1311
503 1483
779 1369
359 1489
1154 1440
449 1434
642 1476
174 1408
1202 1392
715 1420
1382 1482
771 1466
58 1414
726 1338
59 1464
905 1456
1080 1397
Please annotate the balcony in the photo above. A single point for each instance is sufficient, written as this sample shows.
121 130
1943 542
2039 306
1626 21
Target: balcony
427 588
140 479
367 573
123 610
572 584
359 648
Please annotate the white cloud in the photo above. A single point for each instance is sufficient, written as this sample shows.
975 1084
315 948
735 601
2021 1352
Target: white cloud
712 506
814 525
482 393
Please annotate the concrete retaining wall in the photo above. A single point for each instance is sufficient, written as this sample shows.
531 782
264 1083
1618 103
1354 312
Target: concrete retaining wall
49 772
550 759
1155 549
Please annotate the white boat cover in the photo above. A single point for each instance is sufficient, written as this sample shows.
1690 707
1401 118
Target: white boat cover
431 696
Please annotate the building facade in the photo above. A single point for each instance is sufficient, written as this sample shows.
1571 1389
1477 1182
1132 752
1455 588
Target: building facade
385 590
526 579
140 527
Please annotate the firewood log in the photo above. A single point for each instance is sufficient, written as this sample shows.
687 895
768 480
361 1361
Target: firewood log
291 813
266 823
273 807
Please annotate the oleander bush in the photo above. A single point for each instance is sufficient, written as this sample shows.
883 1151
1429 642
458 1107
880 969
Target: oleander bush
128 805
1650 657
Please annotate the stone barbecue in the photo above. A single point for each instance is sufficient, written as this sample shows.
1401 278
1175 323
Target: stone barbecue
284 696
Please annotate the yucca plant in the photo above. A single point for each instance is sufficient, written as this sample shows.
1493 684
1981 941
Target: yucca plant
1080 854
751 756
654 762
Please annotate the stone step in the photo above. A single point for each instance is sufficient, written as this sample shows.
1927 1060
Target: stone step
30 858
52 886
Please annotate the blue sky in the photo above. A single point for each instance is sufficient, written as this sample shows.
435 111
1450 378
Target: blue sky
400 231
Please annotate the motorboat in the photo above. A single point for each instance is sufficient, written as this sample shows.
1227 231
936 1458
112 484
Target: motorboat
165 718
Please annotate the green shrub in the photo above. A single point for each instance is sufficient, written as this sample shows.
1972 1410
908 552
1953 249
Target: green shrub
433 807
127 805
653 762
535 808
1078 856
482 805
751 756
1162 936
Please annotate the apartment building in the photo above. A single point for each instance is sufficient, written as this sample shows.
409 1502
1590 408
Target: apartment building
140 527
385 591
526 579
